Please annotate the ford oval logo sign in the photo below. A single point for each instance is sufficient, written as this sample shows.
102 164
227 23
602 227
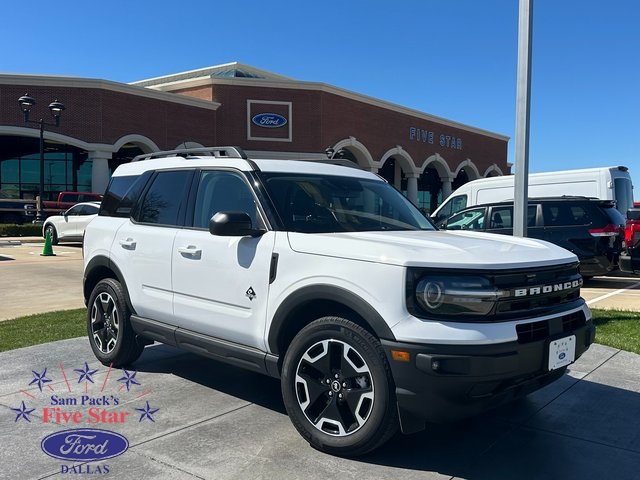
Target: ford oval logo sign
84 444
562 355
269 120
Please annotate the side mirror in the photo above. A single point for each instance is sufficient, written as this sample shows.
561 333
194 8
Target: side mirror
233 224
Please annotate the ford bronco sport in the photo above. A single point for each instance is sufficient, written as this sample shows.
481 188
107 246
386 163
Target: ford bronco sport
327 277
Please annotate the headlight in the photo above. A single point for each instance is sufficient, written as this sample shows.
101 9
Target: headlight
457 295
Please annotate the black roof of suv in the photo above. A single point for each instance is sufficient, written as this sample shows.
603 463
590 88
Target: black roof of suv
591 228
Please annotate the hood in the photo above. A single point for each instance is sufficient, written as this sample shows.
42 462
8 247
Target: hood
438 249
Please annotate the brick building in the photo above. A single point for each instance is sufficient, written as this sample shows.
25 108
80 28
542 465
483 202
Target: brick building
107 123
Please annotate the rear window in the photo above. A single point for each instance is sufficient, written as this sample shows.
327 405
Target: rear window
615 216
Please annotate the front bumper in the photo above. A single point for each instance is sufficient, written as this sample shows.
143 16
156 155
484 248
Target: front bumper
472 378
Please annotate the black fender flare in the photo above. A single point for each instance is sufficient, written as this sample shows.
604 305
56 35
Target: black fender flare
99 262
329 293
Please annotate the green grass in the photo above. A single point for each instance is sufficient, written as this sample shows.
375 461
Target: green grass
615 328
618 329
42 328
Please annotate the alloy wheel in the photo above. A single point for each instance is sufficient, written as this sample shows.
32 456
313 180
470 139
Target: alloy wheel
105 322
334 387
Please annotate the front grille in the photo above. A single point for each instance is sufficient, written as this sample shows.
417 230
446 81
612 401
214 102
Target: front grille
532 332
536 291
538 331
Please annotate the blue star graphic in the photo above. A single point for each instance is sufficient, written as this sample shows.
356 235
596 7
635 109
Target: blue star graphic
146 412
129 379
23 412
40 378
86 373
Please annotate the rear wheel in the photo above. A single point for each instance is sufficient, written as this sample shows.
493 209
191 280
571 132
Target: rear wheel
51 230
112 339
338 389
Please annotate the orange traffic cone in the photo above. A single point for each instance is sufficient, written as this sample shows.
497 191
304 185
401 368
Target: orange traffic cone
47 251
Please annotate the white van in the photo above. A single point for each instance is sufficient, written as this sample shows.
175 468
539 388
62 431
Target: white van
606 183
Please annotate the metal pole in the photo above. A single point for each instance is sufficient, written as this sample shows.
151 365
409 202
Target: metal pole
523 103
39 214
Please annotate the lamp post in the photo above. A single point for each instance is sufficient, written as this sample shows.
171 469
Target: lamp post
56 108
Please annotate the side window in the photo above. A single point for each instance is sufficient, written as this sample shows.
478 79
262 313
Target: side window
458 203
563 215
470 220
579 215
121 195
222 191
75 210
501 217
162 202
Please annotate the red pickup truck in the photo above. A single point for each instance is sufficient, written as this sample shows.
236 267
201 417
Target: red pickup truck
69 199
630 257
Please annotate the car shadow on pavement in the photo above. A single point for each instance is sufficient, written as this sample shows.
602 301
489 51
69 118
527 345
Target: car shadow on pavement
237 382
587 433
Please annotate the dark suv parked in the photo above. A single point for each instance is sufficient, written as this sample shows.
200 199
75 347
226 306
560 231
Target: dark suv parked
592 229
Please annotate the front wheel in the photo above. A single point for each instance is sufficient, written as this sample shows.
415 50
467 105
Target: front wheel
338 389
111 336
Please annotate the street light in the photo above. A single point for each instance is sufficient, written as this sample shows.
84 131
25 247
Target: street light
331 153
56 108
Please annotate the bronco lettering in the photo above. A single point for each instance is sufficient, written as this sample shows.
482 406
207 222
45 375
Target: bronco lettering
538 290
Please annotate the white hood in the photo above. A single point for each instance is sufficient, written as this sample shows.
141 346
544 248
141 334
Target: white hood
444 249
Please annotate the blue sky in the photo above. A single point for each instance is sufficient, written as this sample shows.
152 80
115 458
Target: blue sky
451 58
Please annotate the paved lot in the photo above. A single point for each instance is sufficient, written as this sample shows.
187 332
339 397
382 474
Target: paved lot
30 283
218 422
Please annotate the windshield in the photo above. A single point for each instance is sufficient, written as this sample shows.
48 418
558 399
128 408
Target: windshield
312 203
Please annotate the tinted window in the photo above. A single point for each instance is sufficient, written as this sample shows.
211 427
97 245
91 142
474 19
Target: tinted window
222 191
502 217
615 216
118 187
566 214
75 210
162 202
88 210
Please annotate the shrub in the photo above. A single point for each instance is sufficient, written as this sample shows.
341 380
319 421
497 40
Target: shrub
26 230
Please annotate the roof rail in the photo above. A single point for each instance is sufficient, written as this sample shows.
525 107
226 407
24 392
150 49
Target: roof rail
228 152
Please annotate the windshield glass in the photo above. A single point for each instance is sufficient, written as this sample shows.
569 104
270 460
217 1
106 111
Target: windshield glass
311 203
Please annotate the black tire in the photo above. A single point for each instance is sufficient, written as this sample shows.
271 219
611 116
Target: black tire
52 231
337 408
111 336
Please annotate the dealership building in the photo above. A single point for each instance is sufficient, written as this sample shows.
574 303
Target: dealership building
106 123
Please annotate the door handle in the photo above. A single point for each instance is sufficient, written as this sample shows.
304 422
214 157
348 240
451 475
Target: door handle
128 244
190 251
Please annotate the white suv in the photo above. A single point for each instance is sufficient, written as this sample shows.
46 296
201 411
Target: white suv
328 278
